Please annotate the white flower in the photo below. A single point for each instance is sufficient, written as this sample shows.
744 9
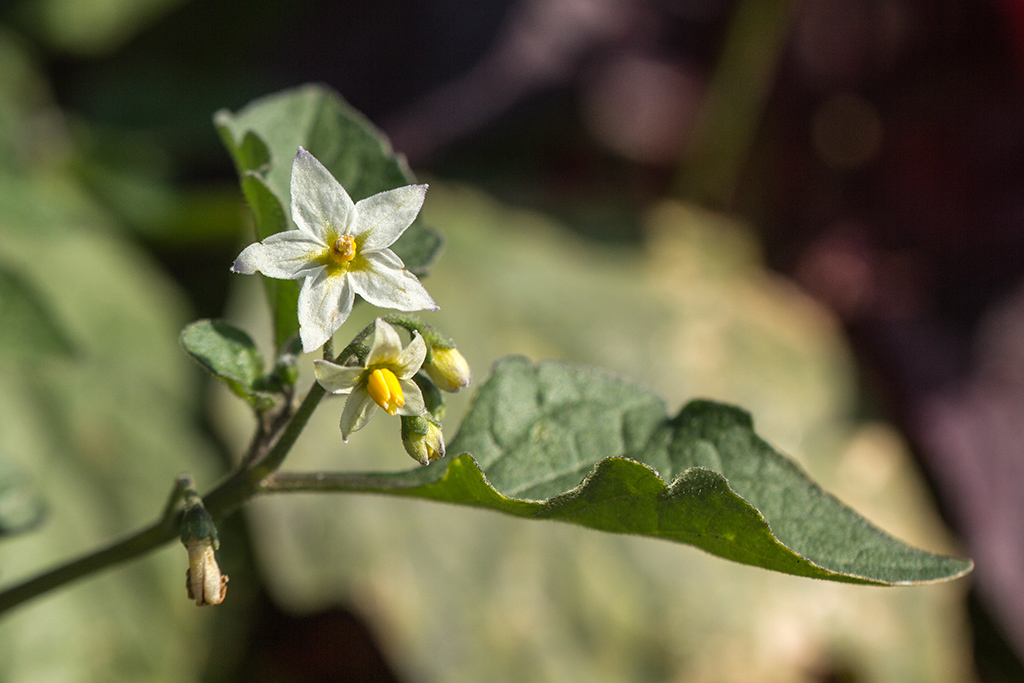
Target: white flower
341 249
385 379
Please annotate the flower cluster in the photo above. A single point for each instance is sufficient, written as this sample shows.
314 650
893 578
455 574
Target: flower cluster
341 248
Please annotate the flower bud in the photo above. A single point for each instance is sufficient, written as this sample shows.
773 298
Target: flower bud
448 368
422 438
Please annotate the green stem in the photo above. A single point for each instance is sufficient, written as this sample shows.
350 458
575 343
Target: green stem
340 482
229 495
133 546
224 499
284 444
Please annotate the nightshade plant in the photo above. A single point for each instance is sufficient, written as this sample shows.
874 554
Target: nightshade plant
550 440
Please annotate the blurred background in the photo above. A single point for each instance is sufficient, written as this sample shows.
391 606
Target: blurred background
813 209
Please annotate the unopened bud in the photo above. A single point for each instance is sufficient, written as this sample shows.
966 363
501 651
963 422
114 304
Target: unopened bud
448 368
422 438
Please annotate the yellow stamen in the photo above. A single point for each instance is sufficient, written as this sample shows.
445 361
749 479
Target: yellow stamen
344 249
385 390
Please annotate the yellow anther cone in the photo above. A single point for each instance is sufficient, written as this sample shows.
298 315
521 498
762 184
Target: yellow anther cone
385 390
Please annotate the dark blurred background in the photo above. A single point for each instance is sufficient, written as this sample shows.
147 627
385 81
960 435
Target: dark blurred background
876 145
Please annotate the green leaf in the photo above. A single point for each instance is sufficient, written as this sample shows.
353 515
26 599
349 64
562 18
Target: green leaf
263 138
227 352
28 329
564 442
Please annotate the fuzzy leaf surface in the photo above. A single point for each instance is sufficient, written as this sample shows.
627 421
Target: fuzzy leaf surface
227 352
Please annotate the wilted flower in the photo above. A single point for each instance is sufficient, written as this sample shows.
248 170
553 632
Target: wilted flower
203 580
384 380
340 249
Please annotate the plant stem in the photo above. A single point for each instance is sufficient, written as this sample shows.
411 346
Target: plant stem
224 499
323 482
129 548
291 432
229 495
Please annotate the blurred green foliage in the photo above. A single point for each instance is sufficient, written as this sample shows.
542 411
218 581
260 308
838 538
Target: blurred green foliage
99 433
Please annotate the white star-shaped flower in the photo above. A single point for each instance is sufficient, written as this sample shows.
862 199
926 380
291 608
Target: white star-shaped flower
340 249
384 380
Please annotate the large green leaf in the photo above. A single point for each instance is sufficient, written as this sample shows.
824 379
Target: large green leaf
263 137
564 442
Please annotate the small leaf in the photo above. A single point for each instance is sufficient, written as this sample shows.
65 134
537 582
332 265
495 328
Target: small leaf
226 352
264 136
28 328
563 442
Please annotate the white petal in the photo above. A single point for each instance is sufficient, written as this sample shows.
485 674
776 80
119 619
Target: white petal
414 404
284 255
358 410
320 205
387 258
324 304
382 218
388 287
411 358
337 379
386 343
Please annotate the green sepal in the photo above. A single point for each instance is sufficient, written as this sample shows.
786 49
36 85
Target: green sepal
197 524
286 368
